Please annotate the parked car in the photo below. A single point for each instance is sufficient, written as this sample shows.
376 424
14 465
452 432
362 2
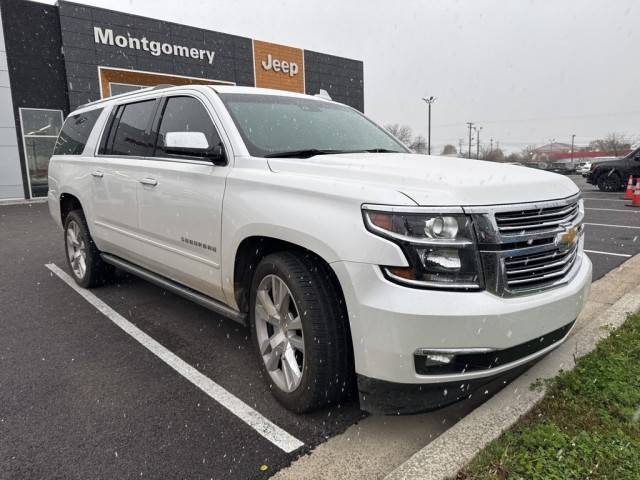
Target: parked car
584 169
610 175
354 262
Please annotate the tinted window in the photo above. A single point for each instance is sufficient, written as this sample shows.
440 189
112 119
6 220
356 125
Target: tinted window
185 114
131 135
75 132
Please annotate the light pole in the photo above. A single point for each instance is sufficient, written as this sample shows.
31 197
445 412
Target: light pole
573 139
470 124
429 101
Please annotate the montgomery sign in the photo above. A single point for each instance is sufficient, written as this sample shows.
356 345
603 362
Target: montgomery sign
106 37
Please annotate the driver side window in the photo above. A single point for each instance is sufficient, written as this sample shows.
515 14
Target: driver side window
185 114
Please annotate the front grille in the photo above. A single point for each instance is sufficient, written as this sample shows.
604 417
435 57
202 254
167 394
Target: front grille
536 220
534 271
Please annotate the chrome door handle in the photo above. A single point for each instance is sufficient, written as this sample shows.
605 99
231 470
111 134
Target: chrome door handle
149 181
97 174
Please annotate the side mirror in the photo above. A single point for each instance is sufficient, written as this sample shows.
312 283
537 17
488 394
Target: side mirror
193 144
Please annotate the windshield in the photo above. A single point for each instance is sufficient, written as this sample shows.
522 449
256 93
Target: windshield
272 125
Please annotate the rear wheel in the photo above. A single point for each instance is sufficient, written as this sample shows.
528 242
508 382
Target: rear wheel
610 183
299 329
83 257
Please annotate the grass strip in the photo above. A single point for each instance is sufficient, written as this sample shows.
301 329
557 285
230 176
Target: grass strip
586 427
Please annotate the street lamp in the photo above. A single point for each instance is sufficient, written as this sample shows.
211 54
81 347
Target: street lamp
429 101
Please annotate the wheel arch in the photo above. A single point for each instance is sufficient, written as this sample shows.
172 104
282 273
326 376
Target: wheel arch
68 203
251 250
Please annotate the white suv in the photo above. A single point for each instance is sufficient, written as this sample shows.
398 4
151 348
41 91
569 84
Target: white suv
352 260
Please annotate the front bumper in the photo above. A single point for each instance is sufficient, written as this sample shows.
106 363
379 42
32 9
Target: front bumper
390 322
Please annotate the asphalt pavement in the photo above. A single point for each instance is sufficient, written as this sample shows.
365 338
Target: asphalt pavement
80 398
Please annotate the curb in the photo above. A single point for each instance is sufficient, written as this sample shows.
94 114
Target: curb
456 447
20 201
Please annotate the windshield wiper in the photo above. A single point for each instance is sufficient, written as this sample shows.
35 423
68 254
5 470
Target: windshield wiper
379 150
306 153
310 152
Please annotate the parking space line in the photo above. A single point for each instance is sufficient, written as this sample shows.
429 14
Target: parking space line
609 253
612 210
607 225
606 199
244 412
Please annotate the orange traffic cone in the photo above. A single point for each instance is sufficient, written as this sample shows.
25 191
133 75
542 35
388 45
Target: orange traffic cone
636 196
628 195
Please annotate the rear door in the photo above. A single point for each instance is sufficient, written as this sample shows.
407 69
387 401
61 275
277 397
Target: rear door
126 142
180 199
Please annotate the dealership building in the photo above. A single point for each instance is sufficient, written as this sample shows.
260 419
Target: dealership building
54 58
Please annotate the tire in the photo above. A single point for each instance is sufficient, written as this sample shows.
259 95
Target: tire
610 183
326 363
83 257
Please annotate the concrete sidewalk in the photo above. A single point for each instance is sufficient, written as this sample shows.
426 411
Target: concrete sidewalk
392 446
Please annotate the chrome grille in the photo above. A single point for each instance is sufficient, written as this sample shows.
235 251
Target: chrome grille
521 222
534 271
522 246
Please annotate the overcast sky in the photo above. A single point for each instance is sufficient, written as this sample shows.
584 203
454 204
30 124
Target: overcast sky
527 71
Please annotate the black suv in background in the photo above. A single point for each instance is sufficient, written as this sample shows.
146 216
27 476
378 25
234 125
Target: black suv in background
612 175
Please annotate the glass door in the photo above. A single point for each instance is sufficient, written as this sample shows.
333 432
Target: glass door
40 128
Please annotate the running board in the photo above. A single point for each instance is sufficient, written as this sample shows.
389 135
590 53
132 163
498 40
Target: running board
178 289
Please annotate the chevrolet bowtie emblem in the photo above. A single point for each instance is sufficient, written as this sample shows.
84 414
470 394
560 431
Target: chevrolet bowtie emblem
567 239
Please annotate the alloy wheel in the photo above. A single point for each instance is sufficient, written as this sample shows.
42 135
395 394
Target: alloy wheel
279 333
76 250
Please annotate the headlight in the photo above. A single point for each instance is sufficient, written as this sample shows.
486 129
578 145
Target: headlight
440 247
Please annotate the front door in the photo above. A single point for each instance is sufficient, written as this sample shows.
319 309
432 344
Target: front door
180 201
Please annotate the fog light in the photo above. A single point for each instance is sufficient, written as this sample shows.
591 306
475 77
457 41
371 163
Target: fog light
438 359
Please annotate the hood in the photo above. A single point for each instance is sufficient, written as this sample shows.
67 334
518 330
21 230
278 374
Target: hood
432 180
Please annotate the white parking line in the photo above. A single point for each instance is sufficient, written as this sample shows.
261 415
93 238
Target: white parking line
613 210
607 225
609 253
255 420
606 199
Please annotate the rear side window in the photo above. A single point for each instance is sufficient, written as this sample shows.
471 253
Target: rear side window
185 114
75 133
130 133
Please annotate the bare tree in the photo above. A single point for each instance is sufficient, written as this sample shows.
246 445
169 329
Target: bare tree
614 142
405 135
449 149
418 145
401 132
513 157
527 153
495 155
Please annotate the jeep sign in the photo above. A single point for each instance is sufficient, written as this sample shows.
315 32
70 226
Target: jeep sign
290 68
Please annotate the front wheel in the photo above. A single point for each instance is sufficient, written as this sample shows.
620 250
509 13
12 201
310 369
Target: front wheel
610 183
298 323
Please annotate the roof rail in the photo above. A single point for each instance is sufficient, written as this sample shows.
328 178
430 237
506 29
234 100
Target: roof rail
126 94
